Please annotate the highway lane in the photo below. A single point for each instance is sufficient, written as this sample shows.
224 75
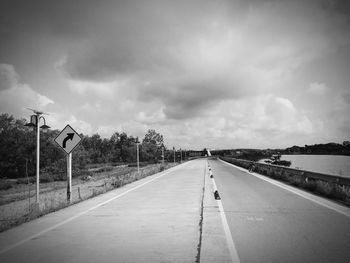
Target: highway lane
153 220
270 224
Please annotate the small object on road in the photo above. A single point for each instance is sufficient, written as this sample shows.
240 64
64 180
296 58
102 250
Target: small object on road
216 195
252 167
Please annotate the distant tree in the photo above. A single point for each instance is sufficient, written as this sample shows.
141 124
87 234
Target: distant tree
121 147
154 138
17 146
18 149
152 146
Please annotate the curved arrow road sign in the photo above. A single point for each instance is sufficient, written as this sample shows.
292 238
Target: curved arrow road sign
70 136
68 139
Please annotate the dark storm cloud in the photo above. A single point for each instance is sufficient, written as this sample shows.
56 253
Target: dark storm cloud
189 99
134 40
113 37
194 95
191 61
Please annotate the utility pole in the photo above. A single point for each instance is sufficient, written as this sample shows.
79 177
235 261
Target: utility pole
180 155
174 154
137 155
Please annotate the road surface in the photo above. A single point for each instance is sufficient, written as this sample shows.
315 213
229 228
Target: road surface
155 219
173 217
270 224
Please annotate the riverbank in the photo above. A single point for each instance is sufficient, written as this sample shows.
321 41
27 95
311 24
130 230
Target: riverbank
338 165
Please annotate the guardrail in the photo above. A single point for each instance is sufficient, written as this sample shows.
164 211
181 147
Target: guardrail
271 170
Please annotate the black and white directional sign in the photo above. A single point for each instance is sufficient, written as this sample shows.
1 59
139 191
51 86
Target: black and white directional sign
68 139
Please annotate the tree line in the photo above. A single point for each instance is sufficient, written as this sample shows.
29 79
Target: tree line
18 150
326 148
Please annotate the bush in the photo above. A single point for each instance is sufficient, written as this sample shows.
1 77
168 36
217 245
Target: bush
141 164
324 188
79 173
60 176
46 178
24 180
104 169
5 185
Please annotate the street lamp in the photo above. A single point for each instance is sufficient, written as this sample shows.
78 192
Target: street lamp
137 155
162 154
34 123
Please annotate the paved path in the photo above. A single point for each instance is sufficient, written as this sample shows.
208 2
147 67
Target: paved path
270 224
156 219
173 217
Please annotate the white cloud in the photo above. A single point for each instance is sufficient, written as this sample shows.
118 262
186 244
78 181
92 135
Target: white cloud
231 73
80 126
106 131
16 96
317 88
266 121
151 118
104 91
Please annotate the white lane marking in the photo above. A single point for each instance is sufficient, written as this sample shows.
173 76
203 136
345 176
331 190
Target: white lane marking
252 218
316 199
83 213
229 239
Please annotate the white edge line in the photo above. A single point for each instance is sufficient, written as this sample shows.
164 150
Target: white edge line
231 245
307 196
80 214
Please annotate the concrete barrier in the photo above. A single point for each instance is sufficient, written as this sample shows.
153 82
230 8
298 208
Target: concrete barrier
281 172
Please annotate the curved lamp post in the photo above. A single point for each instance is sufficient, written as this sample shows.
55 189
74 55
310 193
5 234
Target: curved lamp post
163 154
180 155
34 123
137 154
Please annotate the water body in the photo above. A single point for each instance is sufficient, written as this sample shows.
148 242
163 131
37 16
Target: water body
327 164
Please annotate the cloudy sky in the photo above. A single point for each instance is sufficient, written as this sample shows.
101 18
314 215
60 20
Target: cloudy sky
209 73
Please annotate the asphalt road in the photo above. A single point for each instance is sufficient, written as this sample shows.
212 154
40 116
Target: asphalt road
155 219
271 224
168 217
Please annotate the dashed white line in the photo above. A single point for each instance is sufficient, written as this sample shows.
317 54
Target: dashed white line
229 239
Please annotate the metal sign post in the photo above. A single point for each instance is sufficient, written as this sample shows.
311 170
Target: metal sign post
68 139
138 158
69 177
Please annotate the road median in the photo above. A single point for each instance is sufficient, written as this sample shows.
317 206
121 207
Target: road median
214 246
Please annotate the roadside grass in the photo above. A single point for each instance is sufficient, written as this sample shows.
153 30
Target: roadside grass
53 196
326 189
